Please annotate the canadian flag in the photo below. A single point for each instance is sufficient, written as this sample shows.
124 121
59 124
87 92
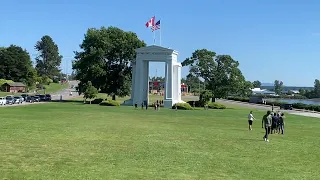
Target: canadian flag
150 23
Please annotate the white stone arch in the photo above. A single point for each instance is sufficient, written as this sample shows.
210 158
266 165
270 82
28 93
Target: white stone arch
140 75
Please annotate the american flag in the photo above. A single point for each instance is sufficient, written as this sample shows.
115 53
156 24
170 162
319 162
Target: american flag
156 26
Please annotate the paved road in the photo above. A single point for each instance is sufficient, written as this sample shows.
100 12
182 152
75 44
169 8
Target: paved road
65 93
267 107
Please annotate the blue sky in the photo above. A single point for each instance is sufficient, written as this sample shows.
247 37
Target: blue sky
274 39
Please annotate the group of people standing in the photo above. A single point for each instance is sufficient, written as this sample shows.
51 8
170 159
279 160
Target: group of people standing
272 122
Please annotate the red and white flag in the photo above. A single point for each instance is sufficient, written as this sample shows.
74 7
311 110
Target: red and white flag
156 26
150 23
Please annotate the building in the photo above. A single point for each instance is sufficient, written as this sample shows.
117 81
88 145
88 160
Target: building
263 92
14 87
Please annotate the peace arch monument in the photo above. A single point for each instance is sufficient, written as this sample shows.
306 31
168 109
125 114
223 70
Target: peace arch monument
140 75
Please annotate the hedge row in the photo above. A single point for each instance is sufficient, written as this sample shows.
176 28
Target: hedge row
187 106
215 105
312 107
182 106
109 103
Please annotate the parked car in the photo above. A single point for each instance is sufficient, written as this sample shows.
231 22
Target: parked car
24 96
36 98
48 97
29 99
42 97
3 101
18 99
286 106
21 98
10 100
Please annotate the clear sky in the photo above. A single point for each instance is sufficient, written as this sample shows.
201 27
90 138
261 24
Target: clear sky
274 39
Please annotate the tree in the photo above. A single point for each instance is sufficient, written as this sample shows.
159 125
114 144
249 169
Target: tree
204 97
90 92
256 84
49 60
245 89
16 65
302 92
278 87
316 88
105 60
194 83
221 73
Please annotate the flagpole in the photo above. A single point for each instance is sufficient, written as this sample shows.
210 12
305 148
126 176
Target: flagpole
154 37
160 32
154 33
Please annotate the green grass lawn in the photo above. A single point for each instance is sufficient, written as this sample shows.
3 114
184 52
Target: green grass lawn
78 141
52 88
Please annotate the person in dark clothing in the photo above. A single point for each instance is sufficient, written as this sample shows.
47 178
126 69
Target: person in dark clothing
266 123
275 120
281 123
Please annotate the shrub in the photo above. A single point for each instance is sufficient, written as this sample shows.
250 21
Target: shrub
299 106
182 106
109 103
96 101
215 105
196 103
242 99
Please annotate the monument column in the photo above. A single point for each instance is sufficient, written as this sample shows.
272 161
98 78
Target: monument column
146 81
137 82
168 87
133 79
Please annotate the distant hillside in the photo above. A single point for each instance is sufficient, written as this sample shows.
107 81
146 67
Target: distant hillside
270 86
267 84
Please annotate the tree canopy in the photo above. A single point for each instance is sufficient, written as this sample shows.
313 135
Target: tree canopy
48 61
256 84
105 60
16 65
278 87
221 73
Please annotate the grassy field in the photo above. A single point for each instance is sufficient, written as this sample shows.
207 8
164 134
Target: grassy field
78 141
52 88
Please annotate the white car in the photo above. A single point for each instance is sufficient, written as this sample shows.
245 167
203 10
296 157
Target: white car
3 101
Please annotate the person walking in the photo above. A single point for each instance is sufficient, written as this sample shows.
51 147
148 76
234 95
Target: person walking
281 123
266 123
250 120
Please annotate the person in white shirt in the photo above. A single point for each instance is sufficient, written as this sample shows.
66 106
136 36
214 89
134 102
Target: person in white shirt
250 120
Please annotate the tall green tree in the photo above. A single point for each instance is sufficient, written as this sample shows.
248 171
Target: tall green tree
316 88
278 87
221 73
91 92
194 83
16 65
49 60
256 84
105 60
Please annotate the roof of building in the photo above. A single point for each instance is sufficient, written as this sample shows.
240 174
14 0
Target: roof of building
16 84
